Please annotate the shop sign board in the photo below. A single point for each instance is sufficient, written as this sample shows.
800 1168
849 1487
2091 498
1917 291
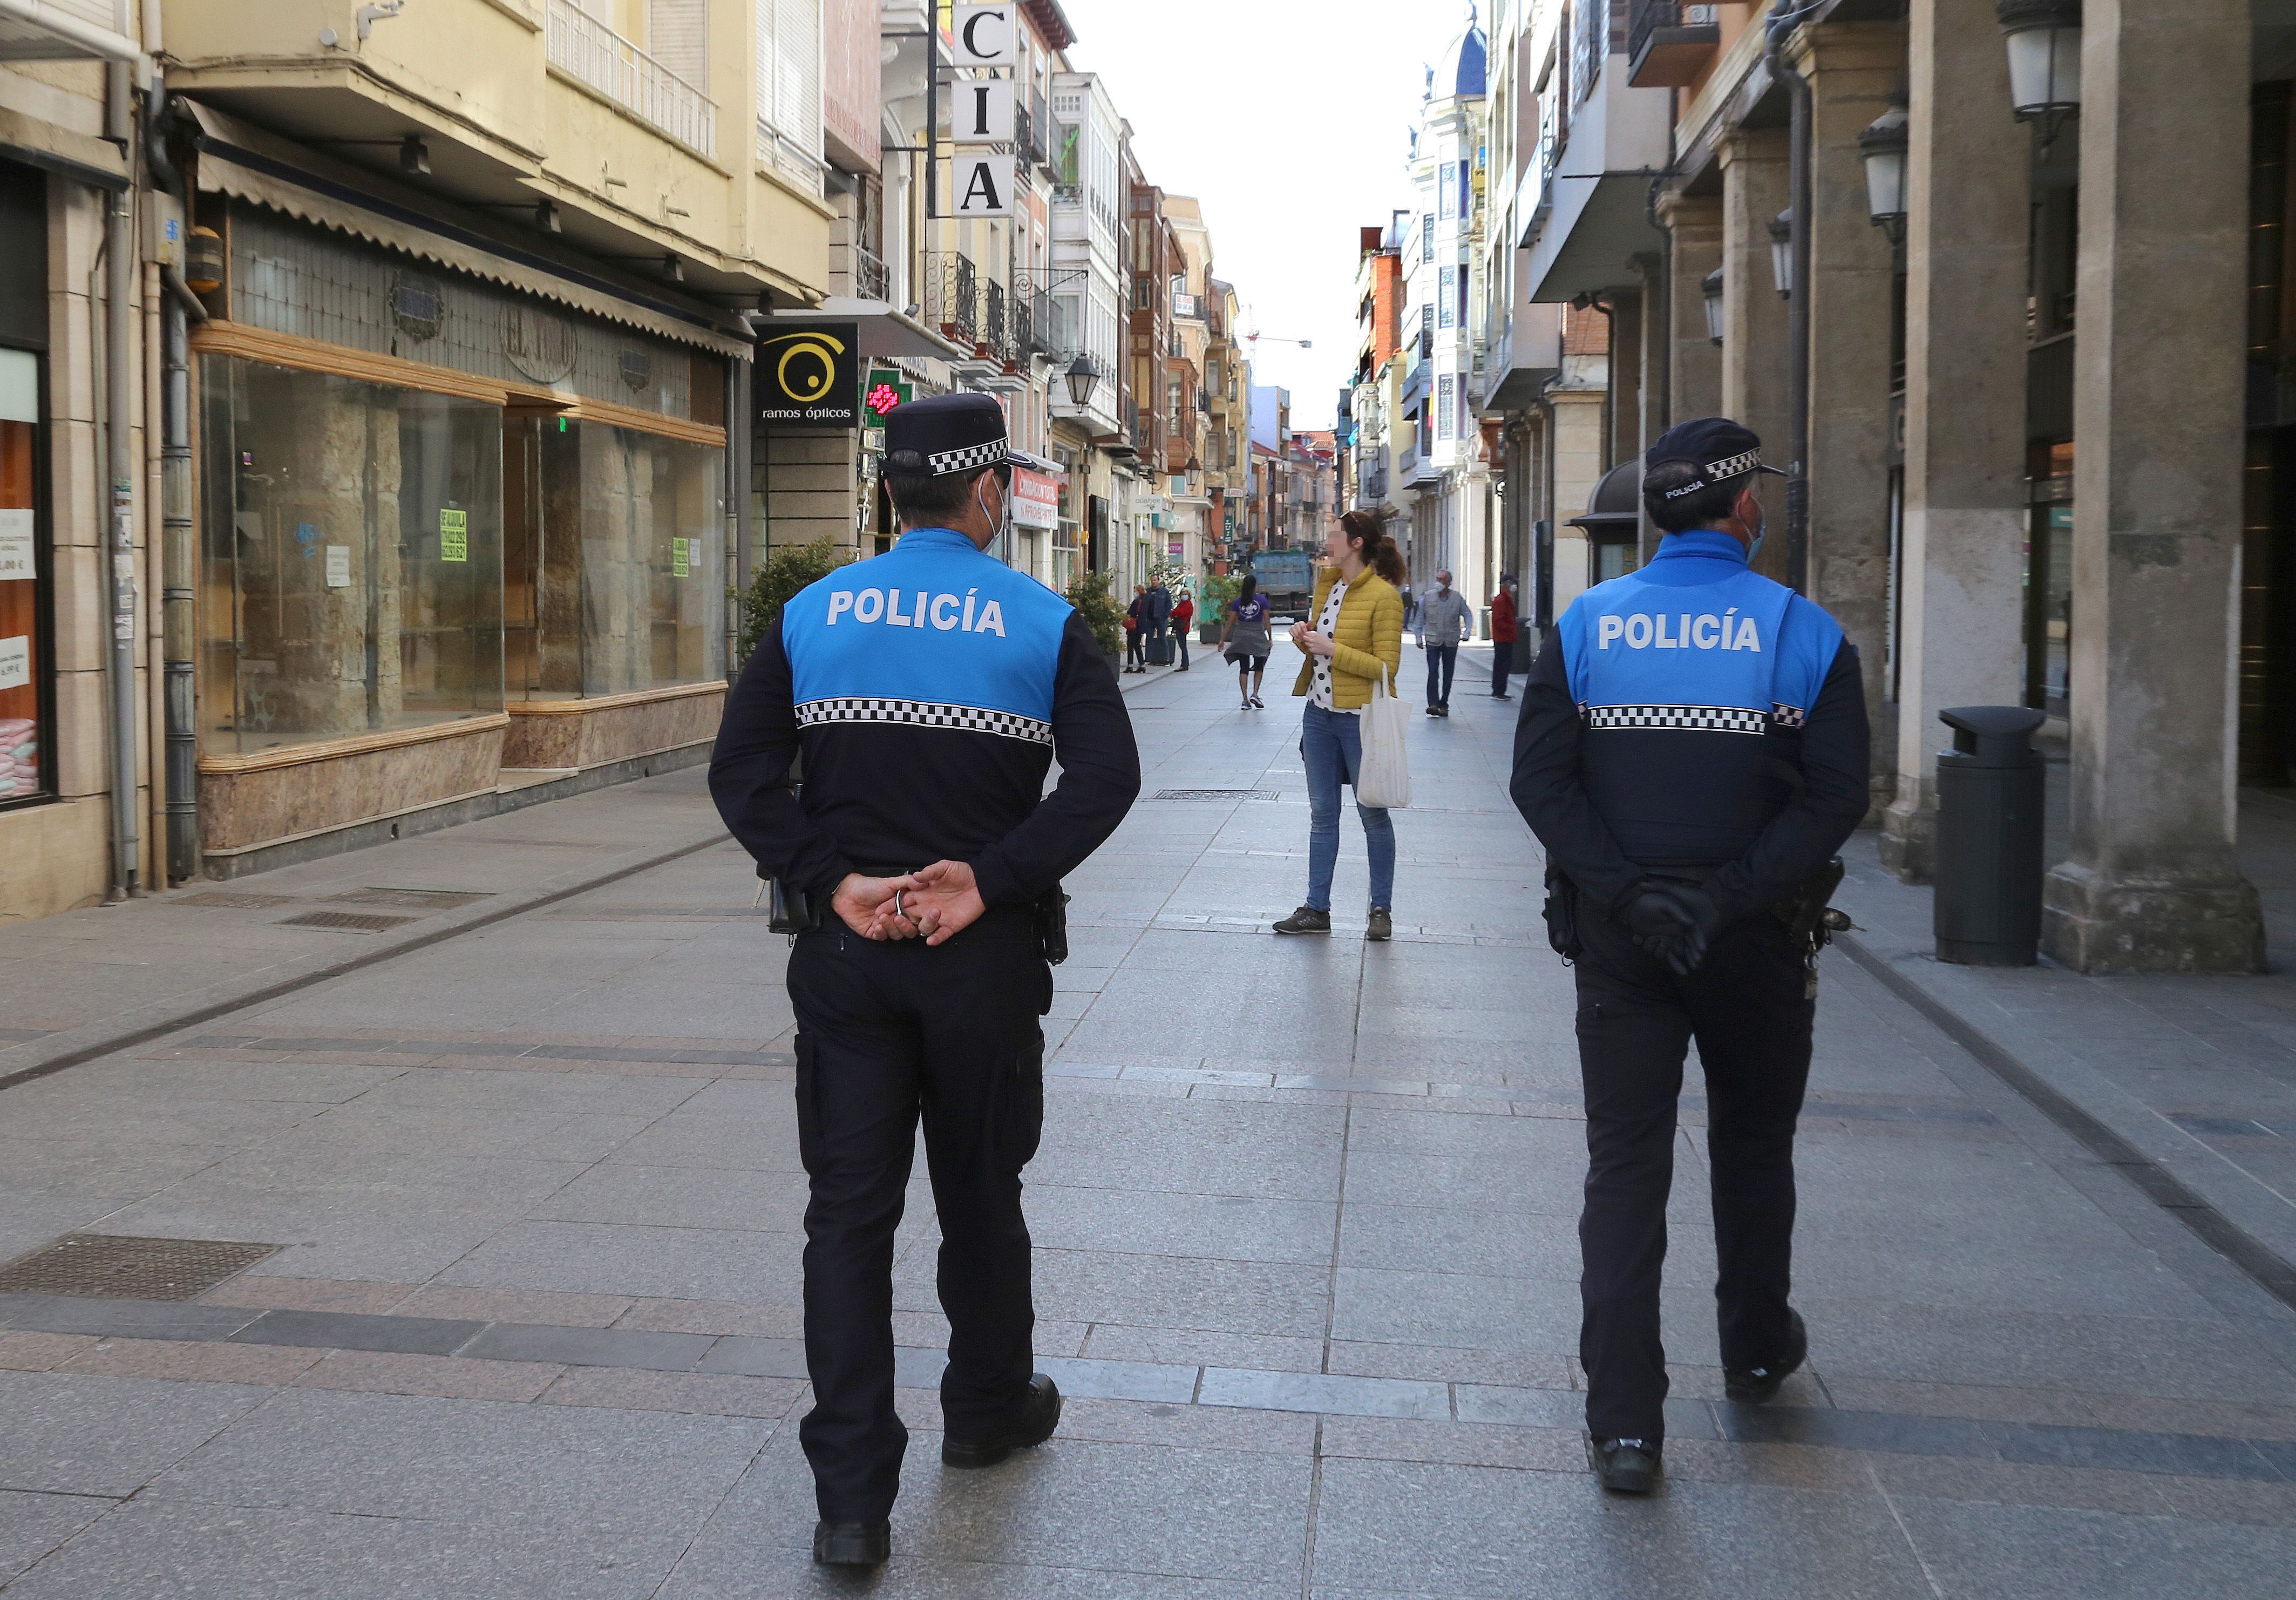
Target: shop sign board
983 184
984 36
807 376
1035 498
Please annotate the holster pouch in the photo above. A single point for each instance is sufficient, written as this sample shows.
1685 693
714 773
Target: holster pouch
790 909
1805 913
1562 913
1052 909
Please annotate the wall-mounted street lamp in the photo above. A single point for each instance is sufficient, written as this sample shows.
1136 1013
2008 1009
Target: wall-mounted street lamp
1782 252
2044 48
1883 145
1711 287
1082 376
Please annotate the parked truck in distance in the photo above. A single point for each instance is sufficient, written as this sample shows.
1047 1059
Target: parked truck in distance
1286 577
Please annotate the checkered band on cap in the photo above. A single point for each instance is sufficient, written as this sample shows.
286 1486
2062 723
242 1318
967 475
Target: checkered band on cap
1707 719
922 713
1746 461
941 463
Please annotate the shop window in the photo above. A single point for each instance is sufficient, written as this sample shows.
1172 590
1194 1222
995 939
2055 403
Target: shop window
614 559
351 570
26 742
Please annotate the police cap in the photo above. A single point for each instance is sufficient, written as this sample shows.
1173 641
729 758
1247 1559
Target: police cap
1718 448
945 434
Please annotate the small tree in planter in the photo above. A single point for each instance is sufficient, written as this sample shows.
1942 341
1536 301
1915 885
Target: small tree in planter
1212 613
786 570
1088 593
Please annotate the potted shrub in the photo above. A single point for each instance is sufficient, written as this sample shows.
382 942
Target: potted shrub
786 570
1088 593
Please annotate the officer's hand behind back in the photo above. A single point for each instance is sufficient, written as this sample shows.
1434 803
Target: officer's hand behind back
1673 923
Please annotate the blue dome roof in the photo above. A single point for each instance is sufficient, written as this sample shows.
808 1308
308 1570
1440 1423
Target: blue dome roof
1462 72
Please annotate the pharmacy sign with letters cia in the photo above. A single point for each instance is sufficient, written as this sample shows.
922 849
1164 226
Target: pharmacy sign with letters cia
807 376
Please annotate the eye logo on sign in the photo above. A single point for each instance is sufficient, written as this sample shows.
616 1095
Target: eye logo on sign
807 376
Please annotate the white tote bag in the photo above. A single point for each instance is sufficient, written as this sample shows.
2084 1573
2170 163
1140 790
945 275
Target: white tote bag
1383 780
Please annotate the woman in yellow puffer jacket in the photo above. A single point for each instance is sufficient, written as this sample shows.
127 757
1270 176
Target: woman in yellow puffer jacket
1357 637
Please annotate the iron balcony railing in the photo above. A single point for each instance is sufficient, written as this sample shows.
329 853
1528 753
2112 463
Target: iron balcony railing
1028 136
952 295
870 279
993 338
1645 18
591 53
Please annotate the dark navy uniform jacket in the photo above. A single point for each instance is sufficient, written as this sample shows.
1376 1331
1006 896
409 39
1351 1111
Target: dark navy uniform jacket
930 689
1693 716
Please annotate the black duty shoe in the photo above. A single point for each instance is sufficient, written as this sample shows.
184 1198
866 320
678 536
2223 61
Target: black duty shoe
1306 920
852 1544
1381 927
1756 1384
1625 1467
1039 1414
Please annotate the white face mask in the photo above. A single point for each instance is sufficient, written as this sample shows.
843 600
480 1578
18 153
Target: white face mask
1002 518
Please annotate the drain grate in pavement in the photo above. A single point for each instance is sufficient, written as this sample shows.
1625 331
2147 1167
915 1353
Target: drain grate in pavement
1215 794
241 901
120 1267
412 899
345 921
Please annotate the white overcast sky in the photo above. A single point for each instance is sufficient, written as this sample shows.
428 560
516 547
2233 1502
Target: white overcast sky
1290 122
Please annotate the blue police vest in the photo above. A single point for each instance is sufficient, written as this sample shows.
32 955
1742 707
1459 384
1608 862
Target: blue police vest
932 633
1692 676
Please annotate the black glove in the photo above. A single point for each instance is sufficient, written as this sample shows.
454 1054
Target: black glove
1673 923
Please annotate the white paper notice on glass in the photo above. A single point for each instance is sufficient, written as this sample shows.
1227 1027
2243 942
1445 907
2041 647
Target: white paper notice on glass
16 545
15 662
339 566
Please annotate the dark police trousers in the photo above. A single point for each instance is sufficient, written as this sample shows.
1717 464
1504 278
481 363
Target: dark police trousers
1745 1006
886 1031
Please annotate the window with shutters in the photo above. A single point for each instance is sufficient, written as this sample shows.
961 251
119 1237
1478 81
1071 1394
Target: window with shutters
789 90
677 36
1448 298
1444 387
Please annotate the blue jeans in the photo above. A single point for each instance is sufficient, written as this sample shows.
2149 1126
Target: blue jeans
1331 742
1442 660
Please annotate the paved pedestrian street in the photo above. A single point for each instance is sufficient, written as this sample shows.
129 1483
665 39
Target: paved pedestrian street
524 1321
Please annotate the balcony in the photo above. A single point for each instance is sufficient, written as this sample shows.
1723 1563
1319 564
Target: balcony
993 339
1029 137
590 52
1583 205
870 279
1668 44
952 296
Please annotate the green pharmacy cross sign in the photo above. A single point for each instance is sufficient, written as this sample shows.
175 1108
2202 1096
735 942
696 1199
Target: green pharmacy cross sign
884 391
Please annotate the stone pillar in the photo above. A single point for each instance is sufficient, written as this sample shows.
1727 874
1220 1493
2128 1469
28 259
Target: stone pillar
1695 222
1754 191
2152 884
1853 68
1577 467
1961 551
1626 374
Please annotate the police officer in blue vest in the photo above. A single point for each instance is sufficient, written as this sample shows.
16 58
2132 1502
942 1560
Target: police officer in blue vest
1692 751
927 691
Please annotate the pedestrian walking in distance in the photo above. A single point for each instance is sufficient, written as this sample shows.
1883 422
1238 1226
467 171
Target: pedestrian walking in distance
1692 752
1184 622
1443 621
929 690
1248 640
1503 626
1356 640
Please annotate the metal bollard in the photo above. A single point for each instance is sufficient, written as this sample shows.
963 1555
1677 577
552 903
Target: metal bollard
1989 838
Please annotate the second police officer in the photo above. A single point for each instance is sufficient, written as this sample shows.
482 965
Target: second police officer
927 690
1692 751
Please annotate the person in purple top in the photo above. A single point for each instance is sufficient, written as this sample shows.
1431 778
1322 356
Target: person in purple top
1249 638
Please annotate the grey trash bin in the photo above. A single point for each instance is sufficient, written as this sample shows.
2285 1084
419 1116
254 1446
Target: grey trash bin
1989 837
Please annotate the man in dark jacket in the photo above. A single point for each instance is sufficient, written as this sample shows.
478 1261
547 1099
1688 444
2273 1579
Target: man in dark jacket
928 691
1692 752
